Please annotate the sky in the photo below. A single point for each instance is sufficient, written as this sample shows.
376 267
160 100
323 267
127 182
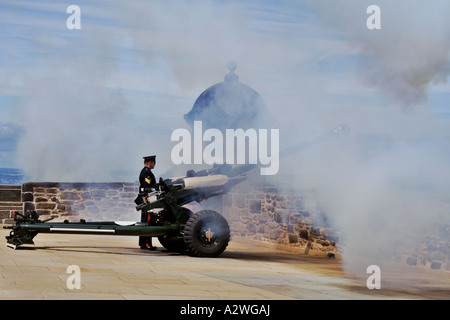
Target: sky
97 95
135 69
87 104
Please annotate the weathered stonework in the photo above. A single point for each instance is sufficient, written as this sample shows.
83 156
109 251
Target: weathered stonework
10 200
285 217
73 201
434 251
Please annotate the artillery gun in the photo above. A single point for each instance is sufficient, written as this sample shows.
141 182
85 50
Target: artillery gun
205 233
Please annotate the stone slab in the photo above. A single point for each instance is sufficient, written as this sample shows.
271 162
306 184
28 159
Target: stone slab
10 195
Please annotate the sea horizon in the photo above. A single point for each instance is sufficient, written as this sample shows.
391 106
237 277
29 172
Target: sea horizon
15 176
11 176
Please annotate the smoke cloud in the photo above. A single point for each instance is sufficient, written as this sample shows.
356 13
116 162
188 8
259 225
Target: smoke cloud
385 187
407 55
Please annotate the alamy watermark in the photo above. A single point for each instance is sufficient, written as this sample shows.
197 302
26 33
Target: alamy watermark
374 280
373 22
231 149
74 280
74 20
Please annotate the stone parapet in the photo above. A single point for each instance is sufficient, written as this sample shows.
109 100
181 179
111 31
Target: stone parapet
72 201
10 200
284 217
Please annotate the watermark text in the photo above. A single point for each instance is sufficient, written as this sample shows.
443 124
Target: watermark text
74 280
374 280
74 20
374 20
237 147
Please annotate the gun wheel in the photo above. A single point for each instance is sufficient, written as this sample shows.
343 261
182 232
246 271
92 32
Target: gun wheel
206 234
173 244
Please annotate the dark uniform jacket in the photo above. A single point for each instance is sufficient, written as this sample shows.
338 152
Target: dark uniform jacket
147 179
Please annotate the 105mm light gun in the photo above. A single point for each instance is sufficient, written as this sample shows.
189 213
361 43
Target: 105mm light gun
204 233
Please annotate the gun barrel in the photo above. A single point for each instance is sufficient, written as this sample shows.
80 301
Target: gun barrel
215 180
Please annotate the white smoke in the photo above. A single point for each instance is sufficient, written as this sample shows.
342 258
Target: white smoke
82 115
385 187
407 56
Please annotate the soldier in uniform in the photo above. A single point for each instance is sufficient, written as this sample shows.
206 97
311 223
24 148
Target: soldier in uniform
147 182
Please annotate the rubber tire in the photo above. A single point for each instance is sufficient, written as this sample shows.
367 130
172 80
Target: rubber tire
173 245
195 242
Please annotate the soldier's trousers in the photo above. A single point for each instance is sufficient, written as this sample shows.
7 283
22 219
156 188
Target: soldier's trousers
145 241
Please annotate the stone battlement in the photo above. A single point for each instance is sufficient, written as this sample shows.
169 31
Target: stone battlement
72 201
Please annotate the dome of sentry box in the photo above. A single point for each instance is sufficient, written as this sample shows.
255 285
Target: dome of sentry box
230 105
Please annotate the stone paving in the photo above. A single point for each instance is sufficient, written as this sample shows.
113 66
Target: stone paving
114 268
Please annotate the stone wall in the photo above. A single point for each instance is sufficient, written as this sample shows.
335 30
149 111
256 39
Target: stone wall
262 212
433 250
10 200
254 211
74 201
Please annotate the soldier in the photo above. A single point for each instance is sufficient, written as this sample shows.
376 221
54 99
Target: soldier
147 182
